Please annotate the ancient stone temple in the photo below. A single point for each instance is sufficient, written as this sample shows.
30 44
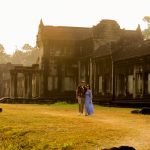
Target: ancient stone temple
5 79
25 82
114 61
61 49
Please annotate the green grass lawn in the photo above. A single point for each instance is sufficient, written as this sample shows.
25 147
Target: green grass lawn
58 127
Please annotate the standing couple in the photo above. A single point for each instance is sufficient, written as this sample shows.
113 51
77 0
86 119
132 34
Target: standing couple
84 97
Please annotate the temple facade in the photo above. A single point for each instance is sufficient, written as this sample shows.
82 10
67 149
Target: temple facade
114 61
5 79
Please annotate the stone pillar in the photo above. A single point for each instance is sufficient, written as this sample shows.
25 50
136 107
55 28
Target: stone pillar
134 82
45 82
59 84
13 84
117 84
63 77
112 77
41 84
94 77
113 87
79 71
29 85
34 85
25 85
37 85
90 72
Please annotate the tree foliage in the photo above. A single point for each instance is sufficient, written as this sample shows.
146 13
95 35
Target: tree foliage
146 32
1 48
27 55
4 58
147 19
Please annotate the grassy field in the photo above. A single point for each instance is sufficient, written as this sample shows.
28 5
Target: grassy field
58 127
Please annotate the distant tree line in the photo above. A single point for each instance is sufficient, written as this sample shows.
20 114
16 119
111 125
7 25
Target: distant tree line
27 55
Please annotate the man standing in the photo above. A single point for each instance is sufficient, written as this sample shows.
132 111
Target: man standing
80 95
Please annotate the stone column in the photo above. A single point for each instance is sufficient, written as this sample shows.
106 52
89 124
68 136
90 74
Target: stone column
59 83
25 85
34 85
13 84
79 71
134 82
41 84
30 85
94 77
37 85
63 77
91 72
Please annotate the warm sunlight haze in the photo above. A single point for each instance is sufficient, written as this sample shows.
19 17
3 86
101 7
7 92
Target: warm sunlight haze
20 18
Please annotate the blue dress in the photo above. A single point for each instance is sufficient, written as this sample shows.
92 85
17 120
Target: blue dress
88 102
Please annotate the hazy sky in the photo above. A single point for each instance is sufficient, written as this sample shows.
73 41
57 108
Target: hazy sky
19 19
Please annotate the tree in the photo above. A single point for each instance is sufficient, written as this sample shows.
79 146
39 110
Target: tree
31 53
18 57
147 19
27 56
1 49
146 32
27 47
4 58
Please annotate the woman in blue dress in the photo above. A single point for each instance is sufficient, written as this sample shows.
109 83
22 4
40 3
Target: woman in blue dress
89 109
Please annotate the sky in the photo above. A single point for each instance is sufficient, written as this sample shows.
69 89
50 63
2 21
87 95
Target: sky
19 19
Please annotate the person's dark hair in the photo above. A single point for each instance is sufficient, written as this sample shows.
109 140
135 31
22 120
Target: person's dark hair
88 86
